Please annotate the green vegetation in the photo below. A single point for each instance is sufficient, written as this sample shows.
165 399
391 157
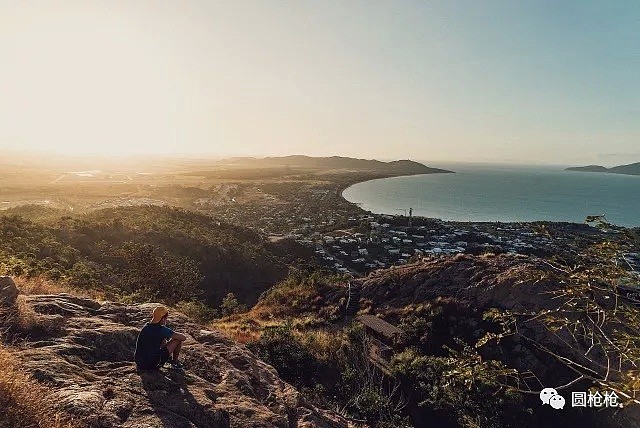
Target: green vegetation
462 389
140 254
462 364
231 306
304 291
332 369
280 348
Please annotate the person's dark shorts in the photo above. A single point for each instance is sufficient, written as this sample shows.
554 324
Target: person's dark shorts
155 361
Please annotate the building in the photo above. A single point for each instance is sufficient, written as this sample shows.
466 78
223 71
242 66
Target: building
383 337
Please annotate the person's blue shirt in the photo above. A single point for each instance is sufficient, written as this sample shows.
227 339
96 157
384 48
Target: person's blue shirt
150 340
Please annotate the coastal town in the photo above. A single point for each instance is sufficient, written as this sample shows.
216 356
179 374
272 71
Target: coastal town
348 240
397 240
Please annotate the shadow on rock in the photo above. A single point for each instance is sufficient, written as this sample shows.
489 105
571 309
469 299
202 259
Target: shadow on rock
176 407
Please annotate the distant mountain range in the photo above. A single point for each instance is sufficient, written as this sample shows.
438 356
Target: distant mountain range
631 169
334 162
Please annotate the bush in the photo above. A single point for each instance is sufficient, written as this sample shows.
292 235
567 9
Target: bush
197 311
230 305
470 392
300 292
279 347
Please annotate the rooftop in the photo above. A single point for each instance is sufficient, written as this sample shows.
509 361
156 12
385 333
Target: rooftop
379 325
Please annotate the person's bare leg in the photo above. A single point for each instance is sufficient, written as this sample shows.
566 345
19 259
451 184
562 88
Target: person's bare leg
173 347
176 352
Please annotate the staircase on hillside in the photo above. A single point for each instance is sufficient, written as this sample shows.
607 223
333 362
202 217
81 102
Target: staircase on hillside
353 300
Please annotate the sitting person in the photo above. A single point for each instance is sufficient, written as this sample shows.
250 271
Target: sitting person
157 343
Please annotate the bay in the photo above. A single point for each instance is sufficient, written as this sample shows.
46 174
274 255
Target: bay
504 193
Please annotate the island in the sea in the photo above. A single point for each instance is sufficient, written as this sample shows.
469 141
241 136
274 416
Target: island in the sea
630 169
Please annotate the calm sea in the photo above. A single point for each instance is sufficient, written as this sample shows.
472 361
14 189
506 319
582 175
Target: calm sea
504 193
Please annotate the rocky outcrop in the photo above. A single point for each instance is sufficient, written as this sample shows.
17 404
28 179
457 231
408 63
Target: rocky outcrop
485 281
8 291
87 360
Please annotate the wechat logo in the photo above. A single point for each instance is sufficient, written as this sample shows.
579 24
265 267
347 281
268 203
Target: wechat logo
551 397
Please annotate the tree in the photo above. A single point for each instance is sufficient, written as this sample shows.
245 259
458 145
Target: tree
592 334
230 305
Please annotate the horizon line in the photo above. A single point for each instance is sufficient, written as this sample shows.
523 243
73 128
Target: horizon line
212 156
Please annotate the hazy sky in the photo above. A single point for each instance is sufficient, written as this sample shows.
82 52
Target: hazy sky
524 81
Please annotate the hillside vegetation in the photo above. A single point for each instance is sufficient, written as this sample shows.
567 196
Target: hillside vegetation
141 253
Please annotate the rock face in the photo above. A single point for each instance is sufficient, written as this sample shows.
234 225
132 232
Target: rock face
87 360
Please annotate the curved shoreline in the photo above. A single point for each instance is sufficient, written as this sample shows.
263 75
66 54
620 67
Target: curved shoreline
385 209
344 187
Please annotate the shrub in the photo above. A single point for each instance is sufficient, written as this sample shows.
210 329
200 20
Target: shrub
279 347
230 305
300 292
197 310
469 390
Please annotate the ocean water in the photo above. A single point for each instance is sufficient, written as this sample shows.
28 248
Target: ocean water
504 193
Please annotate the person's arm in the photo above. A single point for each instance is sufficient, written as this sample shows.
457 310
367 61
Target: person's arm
170 335
179 336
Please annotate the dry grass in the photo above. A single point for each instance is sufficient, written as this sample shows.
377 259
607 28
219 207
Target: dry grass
24 403
240 333
38 285
243 329
321 341
41 285
323 344
30 322
245 336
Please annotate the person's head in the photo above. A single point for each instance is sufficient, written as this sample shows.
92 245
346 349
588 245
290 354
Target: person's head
160 315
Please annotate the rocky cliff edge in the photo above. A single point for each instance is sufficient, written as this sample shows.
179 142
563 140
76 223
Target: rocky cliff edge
83 350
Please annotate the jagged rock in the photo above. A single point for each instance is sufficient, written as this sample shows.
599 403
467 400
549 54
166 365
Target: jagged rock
8 291
89 366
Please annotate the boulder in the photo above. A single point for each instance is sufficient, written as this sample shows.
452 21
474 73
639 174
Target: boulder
8 291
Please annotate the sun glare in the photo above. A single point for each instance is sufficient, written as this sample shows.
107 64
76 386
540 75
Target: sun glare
90 82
